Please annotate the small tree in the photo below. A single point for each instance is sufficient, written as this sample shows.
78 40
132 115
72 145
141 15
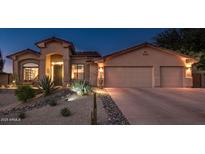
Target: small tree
2 62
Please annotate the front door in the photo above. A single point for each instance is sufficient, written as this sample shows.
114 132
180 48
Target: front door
57 75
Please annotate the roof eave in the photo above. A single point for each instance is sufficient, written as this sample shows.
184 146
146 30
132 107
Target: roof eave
21 52
144 45
70 44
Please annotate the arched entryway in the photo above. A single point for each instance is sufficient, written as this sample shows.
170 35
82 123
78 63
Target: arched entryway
55 67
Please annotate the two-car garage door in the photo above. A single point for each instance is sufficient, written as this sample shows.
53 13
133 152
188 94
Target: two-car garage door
142 77
128 76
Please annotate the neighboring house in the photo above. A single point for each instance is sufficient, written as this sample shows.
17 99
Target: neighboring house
5 78
144 65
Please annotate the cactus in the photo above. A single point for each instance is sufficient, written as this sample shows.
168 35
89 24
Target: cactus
94 112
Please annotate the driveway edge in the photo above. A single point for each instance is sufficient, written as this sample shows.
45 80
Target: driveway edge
115 116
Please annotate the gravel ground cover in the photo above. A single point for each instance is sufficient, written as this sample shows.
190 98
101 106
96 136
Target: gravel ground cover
38 112
115 116
43 114
38 102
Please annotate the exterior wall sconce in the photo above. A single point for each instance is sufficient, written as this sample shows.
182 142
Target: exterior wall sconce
100 75
188 69
188 73
101 70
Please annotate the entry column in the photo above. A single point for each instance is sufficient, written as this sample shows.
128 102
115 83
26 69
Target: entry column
42 67
66 62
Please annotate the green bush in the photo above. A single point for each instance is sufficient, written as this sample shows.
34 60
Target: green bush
65 112
46 85
22 115
24 92
52 102
81 87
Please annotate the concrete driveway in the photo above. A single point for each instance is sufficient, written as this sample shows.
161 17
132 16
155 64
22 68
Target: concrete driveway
161 105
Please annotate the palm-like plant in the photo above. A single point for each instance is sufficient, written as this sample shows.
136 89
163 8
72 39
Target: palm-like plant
47 85
2 61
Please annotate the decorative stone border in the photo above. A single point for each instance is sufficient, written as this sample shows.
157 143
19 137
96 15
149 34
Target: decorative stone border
35 103
115 116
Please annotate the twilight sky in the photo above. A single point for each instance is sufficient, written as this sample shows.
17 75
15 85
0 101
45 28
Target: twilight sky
103 40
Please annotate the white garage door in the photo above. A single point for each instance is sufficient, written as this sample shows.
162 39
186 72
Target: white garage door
171 76
128 76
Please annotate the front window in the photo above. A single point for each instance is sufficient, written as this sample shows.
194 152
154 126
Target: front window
77 72
30 71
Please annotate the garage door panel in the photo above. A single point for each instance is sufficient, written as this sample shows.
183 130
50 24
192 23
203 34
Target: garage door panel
171 76
128 76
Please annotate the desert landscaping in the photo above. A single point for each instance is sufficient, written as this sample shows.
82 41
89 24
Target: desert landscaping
48 110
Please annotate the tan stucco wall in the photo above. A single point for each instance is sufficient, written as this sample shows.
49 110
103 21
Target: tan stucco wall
51 49
148 56
53 52
18 62
93 74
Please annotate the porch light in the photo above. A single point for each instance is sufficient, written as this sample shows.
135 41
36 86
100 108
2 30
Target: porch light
188 65
188 72
100 74
188 68
101 70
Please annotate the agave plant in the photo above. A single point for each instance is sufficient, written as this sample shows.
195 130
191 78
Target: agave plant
46 85
81 87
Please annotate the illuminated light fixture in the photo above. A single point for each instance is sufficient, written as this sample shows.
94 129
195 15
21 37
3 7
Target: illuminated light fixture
100 64
188 72
100 91
72 76
100 69
188 65
57 63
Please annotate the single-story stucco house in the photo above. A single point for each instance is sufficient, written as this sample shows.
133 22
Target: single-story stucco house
144 65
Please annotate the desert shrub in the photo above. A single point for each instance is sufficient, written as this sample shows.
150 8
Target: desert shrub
65 112
22 115
52 102
24 92
46 85
81 87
